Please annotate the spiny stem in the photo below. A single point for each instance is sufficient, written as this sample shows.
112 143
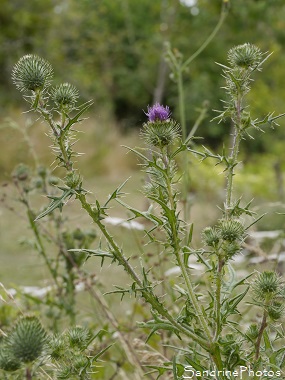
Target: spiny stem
180 260
234 155
147 294
260 334
219 277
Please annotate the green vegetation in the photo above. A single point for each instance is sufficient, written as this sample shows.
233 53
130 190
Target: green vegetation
198 292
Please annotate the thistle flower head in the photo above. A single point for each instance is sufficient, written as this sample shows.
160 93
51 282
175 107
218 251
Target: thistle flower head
158 113
8 361
21 172
231 249
160 133
32 73
231 230
160 130
65 96
245 56
78 337
276 310
267 285
210 236
252 331
73 180
27 339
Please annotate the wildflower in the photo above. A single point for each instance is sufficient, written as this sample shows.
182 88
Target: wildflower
32 73
245 56
210 236
231 230
160 130
267 285
65 96
158 113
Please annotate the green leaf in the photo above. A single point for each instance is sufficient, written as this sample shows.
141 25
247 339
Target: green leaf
57 202
159 325
160 369
84 107
178 369
116 193
145 214
94 252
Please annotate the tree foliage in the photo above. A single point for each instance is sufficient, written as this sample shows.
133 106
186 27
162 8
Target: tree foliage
114 49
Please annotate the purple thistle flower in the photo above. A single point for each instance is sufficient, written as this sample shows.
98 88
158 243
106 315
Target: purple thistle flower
158 113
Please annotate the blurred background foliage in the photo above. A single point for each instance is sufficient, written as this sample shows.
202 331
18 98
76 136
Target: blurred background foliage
113 52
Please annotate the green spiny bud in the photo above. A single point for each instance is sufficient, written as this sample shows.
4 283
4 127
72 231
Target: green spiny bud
21 172
252 331
79 363
266 285
231 249
42 171
37 182
63 373
78 337
57 348
27 339
73 180
32 73
231 230
8 361
52 180
65 96
276 310
78 234
245 56
210 236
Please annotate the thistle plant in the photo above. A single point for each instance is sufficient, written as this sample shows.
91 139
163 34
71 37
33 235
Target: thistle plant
29 352
23 346
205 321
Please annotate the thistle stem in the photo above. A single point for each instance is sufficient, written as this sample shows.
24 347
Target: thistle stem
219 277
146 294
180 260
223 14
260 334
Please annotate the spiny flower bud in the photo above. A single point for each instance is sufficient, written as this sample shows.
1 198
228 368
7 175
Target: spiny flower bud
21 172
27 339
56 347
79 363
245 56
231 249
42 171
78 336
210 236
63 373
231 230
160 130
8 361
52 180
73 180
266 285
65 96
276 310
32 73
252 331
